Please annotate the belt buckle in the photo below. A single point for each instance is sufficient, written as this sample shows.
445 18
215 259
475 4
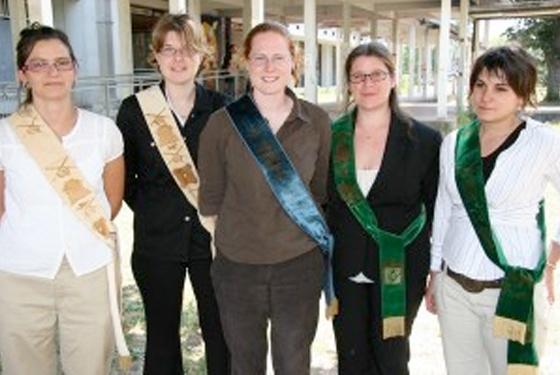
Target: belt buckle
472 286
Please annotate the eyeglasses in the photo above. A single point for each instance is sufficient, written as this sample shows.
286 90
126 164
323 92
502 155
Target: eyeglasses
42 66
260 60
376 76
169 51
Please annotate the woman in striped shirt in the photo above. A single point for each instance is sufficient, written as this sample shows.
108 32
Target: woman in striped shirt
488 237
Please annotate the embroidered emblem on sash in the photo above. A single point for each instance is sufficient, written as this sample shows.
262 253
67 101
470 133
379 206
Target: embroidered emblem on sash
393 275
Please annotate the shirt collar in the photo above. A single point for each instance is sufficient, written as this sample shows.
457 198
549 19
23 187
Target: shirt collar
298 110
202 101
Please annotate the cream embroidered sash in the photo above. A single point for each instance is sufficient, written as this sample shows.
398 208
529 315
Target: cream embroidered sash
172 148
65 177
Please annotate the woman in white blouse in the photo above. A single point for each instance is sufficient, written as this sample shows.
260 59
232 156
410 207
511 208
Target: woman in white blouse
53 279
497 167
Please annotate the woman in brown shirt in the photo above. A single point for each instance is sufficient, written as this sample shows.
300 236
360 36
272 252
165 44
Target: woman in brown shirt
267 269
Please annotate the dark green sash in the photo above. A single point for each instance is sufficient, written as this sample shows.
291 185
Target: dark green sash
391 246
514 312
284 181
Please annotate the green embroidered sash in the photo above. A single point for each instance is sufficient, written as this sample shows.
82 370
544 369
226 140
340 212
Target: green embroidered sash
391 246
514 313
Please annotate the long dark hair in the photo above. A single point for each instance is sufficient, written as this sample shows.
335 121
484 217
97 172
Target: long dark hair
374 49
29 37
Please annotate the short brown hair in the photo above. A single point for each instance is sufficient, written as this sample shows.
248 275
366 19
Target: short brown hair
183 25
512 63
278 28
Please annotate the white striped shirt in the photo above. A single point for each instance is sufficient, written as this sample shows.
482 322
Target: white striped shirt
513 191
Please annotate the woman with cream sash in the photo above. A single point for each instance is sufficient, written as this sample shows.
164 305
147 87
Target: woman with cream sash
61 183
161 127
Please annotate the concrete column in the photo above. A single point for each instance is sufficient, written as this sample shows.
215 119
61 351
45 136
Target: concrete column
40 11
122 45
253 14
342 51
426 63
18 22
443 58
177 6
411 58
193 8
434 72
122 36
463 61
327 66
476 39
373 28
486 40
310 28
395 47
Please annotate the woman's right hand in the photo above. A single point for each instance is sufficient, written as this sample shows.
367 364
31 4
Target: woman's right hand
430 296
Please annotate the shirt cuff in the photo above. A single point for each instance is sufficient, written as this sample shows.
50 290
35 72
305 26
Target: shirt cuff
436 262
555 238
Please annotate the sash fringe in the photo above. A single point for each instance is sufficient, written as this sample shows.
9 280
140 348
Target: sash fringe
332 309
393 327
519 369
510 329
125 361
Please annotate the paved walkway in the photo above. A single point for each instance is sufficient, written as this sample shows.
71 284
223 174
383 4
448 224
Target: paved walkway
426 356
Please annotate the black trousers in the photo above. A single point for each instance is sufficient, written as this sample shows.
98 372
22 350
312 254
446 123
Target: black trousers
161 284
358 330
286 295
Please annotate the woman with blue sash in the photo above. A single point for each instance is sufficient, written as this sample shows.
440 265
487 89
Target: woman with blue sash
488 247
385 172
263 168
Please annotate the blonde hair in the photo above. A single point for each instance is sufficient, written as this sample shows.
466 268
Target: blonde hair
191 32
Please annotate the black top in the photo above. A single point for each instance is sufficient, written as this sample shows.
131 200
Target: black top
407 178
166 225
489 161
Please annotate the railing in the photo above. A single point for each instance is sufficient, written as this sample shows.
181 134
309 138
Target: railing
104 94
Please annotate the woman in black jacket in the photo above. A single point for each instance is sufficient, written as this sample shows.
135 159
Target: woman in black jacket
161 126
382 190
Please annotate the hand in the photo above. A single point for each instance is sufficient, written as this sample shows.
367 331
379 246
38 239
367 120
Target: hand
549 284
429 297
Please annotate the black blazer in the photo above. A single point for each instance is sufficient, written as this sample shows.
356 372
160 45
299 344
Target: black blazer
407 178
166 225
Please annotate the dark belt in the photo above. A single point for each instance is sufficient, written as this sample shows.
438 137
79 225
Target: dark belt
472 285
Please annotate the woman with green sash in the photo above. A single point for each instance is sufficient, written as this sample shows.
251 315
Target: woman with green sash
385 172
488 246
263 173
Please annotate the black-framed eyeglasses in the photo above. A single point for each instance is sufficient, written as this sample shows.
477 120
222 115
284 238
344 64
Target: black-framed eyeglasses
375 76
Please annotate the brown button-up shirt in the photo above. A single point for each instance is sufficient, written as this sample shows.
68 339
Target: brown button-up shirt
252 227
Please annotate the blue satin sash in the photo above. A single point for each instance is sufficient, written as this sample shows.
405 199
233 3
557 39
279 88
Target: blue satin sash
283 179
